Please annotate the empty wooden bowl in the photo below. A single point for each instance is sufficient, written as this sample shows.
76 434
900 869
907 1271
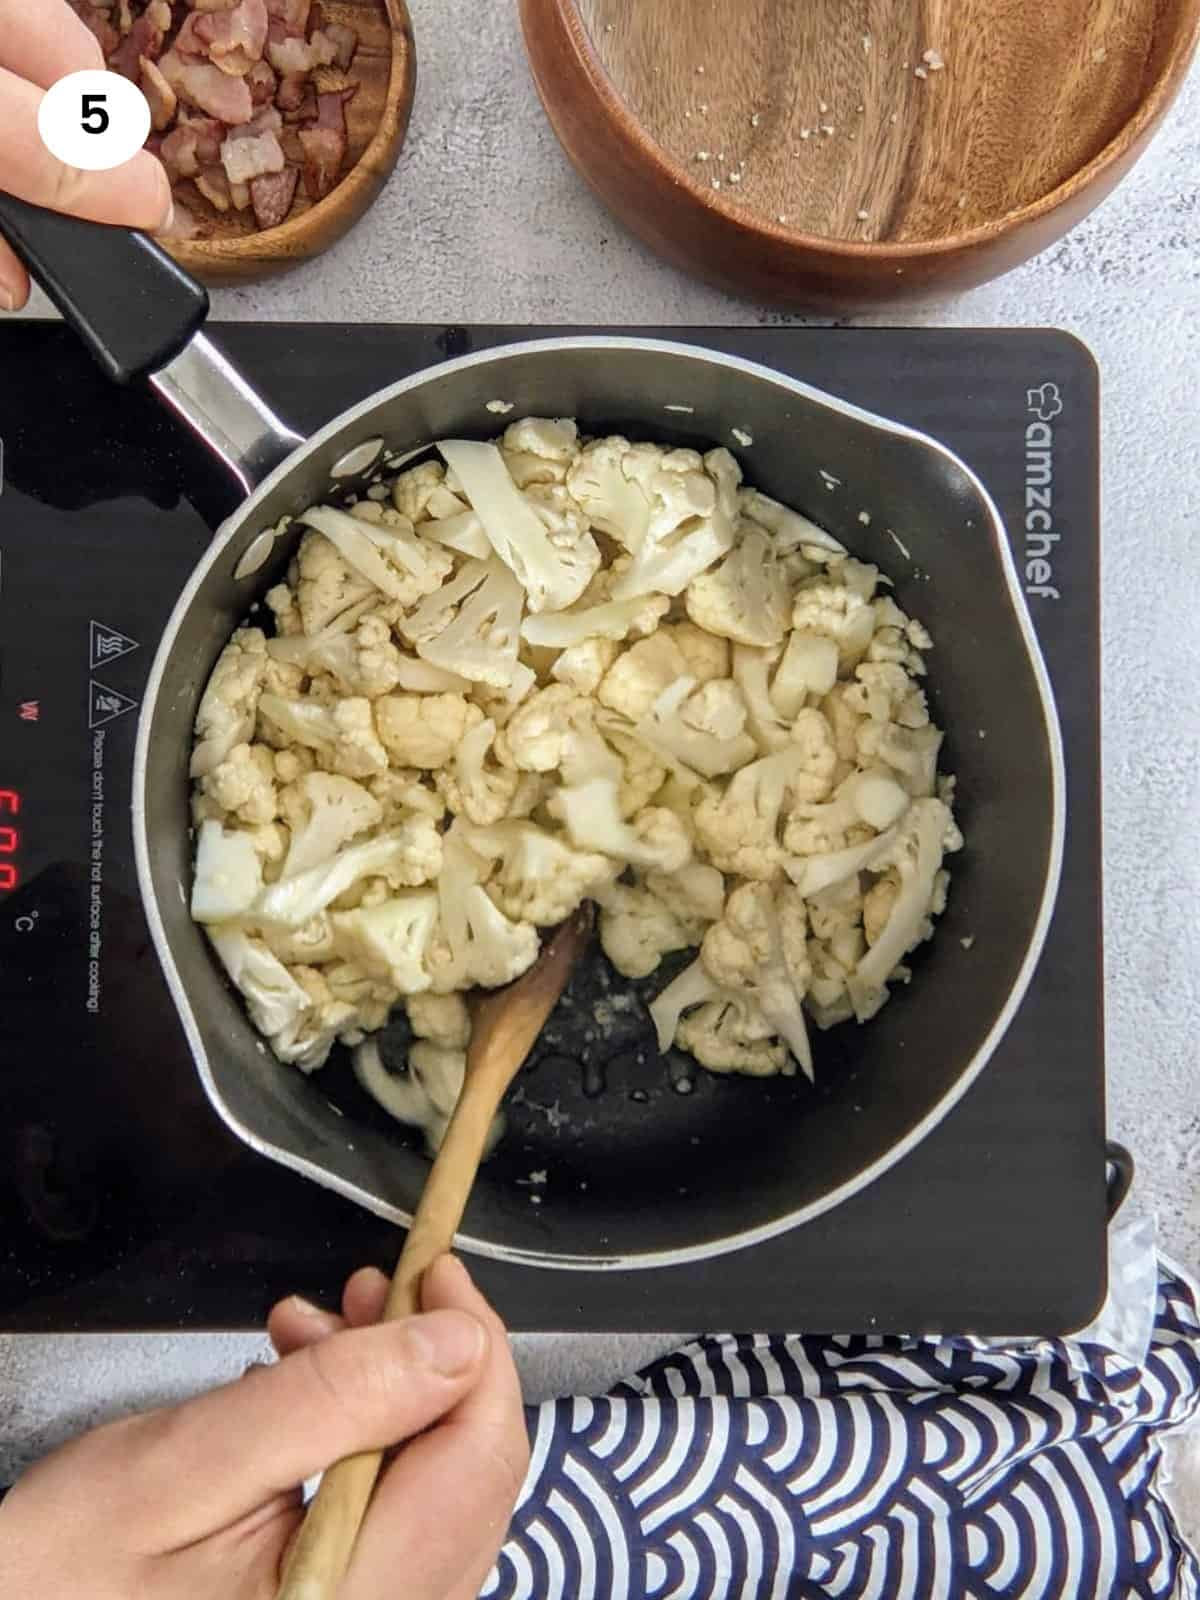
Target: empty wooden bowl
853 150
385 66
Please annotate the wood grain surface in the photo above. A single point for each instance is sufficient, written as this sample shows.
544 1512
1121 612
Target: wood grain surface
376 121
832 120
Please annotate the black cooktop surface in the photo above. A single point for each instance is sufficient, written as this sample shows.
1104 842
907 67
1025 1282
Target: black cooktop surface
125 1204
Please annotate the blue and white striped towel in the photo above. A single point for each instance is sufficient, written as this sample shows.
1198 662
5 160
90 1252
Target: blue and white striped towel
758 1466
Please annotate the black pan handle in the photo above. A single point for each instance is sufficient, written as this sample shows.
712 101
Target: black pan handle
140 314
131 304
1118 1175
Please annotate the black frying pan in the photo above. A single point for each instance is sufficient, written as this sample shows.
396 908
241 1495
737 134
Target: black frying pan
648 1160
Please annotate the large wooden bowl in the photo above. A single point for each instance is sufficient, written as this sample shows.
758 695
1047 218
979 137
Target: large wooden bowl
704 127
385 65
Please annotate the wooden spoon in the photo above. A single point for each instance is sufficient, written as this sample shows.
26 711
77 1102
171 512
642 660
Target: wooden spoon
505 1025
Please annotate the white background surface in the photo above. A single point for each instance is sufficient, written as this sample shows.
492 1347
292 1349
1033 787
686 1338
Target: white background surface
485 221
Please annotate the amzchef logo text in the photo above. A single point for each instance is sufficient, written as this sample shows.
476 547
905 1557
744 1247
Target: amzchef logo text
1043 404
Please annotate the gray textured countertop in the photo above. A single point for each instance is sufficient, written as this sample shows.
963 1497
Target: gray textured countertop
485 221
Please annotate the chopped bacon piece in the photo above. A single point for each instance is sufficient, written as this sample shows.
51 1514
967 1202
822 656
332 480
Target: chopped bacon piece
208 88
291 92
272 196
325 145
159 94
306 111
124 17
290 55
246 156
100 24
235 40
292 13
178 153
214 186
239 193
316 18
213 5
144 40
183 224
344 41
263 84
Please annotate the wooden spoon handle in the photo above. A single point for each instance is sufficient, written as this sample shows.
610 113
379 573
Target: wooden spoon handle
322 1549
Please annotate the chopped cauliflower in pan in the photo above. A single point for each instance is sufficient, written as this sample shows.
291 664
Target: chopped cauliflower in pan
547 669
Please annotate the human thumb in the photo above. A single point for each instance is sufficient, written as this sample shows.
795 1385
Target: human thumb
364 1389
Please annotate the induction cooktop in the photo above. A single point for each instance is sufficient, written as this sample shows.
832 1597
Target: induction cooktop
126 1204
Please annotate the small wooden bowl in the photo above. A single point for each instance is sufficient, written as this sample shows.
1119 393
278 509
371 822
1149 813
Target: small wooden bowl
705 128
385 65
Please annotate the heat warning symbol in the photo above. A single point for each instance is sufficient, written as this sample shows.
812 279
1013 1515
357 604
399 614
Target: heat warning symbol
106 705
106 644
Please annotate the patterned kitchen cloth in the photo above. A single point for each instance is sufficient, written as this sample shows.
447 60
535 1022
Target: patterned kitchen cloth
759 1466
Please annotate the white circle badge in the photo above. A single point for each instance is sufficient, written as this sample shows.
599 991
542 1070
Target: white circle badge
94 120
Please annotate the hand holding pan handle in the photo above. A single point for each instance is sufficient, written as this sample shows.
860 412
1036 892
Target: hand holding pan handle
140 314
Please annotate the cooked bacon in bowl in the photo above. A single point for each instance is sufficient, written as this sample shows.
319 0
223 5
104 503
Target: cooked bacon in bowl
222 78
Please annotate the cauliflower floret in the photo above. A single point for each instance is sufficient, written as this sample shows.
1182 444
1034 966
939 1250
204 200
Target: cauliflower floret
480 792
276 1001
863 799
615 503
443 1019
364 661
588 804
642 773
372 998
687 750
424 730
751 669
390 940
706 656
884 692
878 905
693 509
307 1043
243 784
293 763
911 752
822 605
915 853
408 855
717 707
640 674
228 876
694 894
476 942
342 734
739 829
745 598
400 790
552 568
227 709
612 619
281 601
550 438
761 945
324 812
390 557
326 584
471 627
809 667
540 879
637 929
727 1033
792 531
309 945
536 730
581 666
732 1035
416 492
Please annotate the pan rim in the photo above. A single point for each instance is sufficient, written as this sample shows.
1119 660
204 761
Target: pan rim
742 1238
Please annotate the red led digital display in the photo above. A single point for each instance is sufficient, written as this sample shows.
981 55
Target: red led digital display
10 840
